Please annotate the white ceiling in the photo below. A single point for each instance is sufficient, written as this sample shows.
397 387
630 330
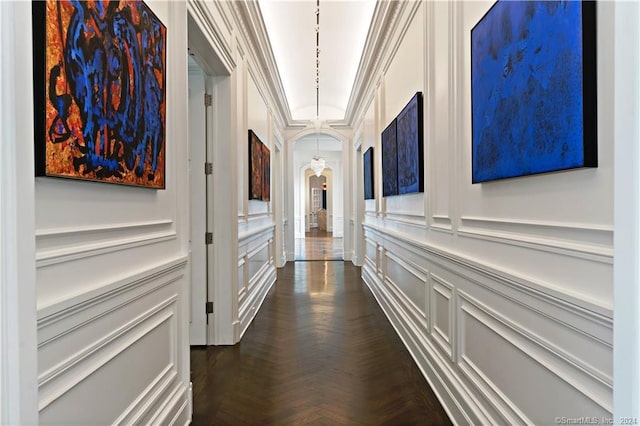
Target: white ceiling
323 143
343 31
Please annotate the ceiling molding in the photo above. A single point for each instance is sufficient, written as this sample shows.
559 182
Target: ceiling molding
249 20
201 14
382 33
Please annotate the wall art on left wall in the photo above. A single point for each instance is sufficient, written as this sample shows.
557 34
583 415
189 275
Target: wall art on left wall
100 92
259 169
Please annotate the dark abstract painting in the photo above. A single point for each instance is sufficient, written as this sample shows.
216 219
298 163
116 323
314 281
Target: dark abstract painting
389 161
533 89
259 169
410 147
266 173
255 167
99 92
367 165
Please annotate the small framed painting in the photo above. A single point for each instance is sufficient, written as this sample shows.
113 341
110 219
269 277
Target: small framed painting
367 165
259 169
389 161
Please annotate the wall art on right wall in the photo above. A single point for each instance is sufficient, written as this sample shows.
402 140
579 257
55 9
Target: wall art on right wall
389 161
367 166
533 89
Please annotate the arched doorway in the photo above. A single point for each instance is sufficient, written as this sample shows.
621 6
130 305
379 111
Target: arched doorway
306 238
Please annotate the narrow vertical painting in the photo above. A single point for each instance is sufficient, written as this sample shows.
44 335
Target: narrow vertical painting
533 89
389 161
367 165
100 91
256 170
410 147
266 173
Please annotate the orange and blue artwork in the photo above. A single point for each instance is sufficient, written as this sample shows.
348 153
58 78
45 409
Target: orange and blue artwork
533 89
100 91
259 169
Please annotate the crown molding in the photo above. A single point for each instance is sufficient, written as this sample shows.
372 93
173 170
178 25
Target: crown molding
201 14
383 33
249 20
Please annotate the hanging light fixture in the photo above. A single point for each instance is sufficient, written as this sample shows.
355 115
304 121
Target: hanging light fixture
317 163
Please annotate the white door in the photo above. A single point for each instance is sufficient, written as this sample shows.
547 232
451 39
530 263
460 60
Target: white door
198 184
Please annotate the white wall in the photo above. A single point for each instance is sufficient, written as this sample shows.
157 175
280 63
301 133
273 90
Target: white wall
104 283
256 221
112 281
503 292
626 366
245 254
18 333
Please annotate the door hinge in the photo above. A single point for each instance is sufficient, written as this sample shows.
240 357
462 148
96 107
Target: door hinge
209 307
208 100
208 168
208 238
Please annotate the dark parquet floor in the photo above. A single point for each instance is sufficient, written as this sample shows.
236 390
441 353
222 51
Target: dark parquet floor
319 245
320 351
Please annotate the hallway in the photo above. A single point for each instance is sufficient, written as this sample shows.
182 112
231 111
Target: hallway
319 245
320 351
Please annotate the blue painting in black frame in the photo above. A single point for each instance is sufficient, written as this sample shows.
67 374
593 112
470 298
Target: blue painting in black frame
533 89
410 147
367 165
389 161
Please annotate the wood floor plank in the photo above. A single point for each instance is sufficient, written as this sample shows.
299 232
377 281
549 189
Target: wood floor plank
320 351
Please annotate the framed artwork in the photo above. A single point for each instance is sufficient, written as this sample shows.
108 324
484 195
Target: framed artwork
389 161
367 165
266 173
409 133
256 170
533 89
100 92
259 169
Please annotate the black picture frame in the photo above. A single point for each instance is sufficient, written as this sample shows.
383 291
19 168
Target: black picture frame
367 166
410 139
389 160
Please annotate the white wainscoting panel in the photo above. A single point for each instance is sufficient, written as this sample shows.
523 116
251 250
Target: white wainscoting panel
115 352
499 360
410 280
442 314
256 273
496 350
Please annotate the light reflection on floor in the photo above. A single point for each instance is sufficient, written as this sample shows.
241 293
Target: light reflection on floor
319 245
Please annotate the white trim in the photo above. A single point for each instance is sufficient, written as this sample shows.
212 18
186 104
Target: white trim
577 240
72 305
18 383
575 302
626 269
98 240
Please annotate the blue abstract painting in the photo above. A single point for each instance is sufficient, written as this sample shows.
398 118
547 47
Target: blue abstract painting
367 165
533 89
100 91
389 161
410 147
